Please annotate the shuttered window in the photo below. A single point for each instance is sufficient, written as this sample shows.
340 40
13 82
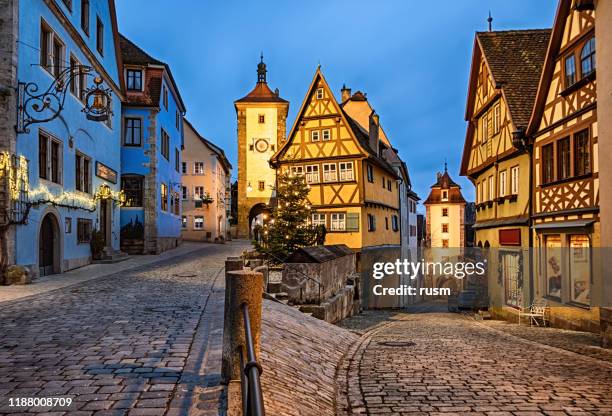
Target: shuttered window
352 221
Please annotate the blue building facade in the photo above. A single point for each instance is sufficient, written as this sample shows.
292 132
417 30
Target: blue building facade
151 144
72 187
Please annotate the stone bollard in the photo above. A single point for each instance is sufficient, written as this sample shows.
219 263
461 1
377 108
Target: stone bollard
242 286
231 264
266 275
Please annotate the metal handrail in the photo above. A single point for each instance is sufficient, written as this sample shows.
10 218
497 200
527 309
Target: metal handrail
252 395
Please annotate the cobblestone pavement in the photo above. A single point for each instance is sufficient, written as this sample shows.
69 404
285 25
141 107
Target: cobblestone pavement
143 342
450 364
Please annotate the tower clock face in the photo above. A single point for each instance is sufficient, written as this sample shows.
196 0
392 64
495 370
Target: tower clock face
261 145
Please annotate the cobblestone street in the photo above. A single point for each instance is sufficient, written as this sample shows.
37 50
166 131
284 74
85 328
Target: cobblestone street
450 364
143 342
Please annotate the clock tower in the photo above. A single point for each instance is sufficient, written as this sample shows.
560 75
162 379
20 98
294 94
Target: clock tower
262 117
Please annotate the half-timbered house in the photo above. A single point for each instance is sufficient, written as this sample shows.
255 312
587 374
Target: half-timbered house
354 189
505 70
563 130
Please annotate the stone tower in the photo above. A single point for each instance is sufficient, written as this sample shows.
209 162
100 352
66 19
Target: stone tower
262 117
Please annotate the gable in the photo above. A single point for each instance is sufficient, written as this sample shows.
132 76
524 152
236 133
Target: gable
321 128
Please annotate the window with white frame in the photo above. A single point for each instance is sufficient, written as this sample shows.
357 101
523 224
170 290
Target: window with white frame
320 94
183 222
514 180
502 183
312 173
198 223
337 222
198 192
491 187
445 195
314 135
318 219
327 134
198 168
346 171
330 174
297 170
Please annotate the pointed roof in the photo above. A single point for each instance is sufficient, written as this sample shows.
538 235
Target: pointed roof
216 149
444 181
261 93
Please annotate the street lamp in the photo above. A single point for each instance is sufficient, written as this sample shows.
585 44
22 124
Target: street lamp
34 107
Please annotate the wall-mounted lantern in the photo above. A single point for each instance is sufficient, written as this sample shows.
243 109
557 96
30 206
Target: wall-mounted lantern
34 107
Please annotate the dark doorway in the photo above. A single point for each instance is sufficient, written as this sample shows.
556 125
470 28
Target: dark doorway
46 246
104 222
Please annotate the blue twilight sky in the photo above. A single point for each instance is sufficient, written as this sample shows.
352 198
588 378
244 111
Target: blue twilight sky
411 57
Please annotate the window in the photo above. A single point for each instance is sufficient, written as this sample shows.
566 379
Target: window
184 168
497 119
85 16
395 222
78 84
445 212
346 171
132 187
49 158
314 136
165 96
326 134
491 187
548 163
383 182
45 42
165 144
570 71
184 222
587 58
444 228
485 128
177 160
134 79
553 265
99 35
371 222
82 176
198 192
514 180
582 153
502 183
83 230
184 192
320 94
329 172
132 135
297 170
337 222
511 276
352 221
386 223
445 243
580 268
370 171
58 56
318 219
261 118
388 184
176 203
198 168
198 223
563 158
312 174
164 197
444 195
261 185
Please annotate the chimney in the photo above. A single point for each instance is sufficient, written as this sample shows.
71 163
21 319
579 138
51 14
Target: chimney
373 131
346 93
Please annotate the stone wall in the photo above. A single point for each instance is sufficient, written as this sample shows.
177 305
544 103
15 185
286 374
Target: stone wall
291 340
369 256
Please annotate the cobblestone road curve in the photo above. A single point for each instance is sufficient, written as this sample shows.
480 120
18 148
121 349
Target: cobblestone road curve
117 345
448 364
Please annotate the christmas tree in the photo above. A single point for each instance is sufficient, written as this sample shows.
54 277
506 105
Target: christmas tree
289 228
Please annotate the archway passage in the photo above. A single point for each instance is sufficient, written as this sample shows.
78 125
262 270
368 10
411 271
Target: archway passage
48 249
257 215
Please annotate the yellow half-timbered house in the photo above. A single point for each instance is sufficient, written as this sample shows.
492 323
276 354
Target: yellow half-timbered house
505 70
563 130
353 189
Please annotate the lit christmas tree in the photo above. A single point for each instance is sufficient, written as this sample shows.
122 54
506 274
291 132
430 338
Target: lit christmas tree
289 228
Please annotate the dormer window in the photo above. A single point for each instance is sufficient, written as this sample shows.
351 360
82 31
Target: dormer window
134 80
444 195
320 94
587 58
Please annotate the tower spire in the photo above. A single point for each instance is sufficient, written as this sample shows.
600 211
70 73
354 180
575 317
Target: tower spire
490 20
261 70
445 166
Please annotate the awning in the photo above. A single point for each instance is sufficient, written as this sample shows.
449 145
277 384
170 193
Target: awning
522 220
563 224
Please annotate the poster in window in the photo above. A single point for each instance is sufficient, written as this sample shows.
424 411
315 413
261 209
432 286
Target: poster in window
580 268
553 266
